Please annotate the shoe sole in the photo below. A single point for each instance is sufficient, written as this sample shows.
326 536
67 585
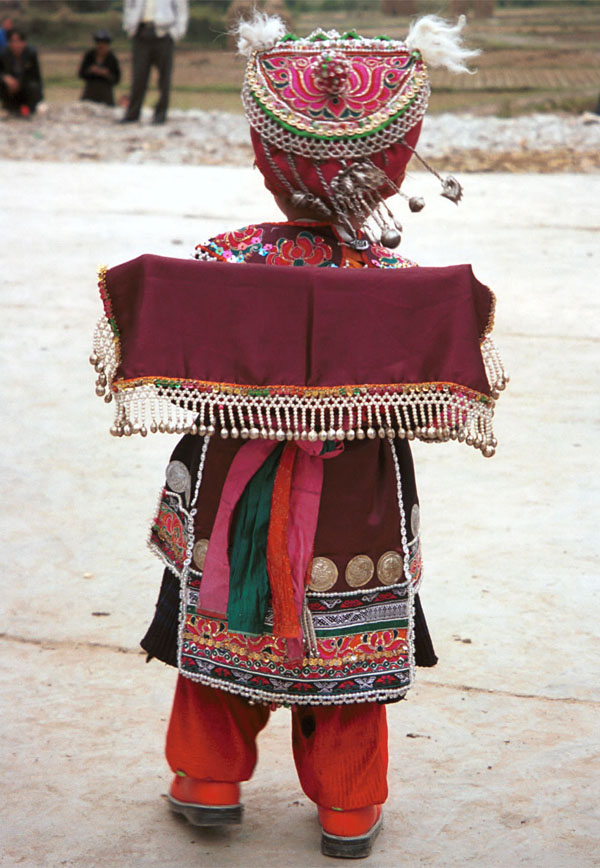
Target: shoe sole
207 815
350 848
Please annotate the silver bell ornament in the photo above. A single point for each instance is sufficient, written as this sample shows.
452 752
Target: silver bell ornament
416 203
451 189
390 237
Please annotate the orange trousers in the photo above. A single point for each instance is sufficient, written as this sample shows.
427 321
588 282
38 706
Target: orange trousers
340 751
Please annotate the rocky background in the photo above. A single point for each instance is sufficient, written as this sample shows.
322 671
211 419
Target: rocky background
78 131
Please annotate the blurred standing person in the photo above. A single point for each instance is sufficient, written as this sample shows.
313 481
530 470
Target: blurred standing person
100 70
5 28
154 26
20 76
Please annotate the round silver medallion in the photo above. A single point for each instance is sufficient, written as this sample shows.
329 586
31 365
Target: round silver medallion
359 571
199 553
323 574
178 476
415 519
390 568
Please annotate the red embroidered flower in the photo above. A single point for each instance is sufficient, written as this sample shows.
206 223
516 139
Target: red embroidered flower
241 238
385 678
168 533
306 249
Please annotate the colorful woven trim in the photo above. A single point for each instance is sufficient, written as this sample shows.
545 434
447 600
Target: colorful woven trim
371 661
335 95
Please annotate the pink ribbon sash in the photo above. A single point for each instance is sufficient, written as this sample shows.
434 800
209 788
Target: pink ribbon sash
305 498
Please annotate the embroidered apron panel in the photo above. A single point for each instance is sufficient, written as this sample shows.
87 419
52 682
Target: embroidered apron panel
363 651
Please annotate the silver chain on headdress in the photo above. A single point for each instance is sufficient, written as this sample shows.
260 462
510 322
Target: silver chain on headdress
355 195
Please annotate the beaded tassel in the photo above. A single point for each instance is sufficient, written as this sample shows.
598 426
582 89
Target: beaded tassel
431 412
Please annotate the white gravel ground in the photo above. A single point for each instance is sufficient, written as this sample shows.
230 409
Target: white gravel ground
494 756
87 131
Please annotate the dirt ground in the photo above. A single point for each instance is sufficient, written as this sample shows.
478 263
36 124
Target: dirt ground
494 755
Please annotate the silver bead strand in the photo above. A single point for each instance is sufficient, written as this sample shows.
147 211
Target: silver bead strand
406 557
184 586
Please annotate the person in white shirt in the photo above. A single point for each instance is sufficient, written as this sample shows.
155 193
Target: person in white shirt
154 26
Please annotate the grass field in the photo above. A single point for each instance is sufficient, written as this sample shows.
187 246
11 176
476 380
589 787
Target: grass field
544 57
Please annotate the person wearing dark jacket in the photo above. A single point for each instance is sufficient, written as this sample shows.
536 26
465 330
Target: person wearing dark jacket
20 76
100 70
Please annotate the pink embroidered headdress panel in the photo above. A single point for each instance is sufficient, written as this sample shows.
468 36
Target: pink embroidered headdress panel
335 117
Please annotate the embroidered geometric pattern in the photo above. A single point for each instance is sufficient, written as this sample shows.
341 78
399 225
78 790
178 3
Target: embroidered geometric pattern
363 652
378 609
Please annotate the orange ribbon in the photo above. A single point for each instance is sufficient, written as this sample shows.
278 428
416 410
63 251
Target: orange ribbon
285 616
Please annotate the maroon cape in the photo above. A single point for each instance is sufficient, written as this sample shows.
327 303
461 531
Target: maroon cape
307 326
327 353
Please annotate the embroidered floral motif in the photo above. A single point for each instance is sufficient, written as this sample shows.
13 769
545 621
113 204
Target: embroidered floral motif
291 244
239 239
306 249
236 246
372 81
168 531
415 562
366 659
384 258
348 669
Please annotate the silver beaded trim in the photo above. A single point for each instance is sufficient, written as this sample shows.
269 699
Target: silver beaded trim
203 256
308 630
411 589
104 358
330 147
425 412
184 593
267 697
494 368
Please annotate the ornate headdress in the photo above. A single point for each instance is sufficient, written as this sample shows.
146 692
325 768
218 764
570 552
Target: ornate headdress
335 117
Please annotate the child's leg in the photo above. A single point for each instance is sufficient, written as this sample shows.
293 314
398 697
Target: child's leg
212 734
341 754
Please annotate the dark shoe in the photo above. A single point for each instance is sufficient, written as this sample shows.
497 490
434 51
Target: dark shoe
158 120
205 803
128 120
349 834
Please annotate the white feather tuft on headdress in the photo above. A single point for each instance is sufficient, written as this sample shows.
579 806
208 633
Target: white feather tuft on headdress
440 42
258 32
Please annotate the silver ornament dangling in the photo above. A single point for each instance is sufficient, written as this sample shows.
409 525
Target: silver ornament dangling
451 189
390 237
416 203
